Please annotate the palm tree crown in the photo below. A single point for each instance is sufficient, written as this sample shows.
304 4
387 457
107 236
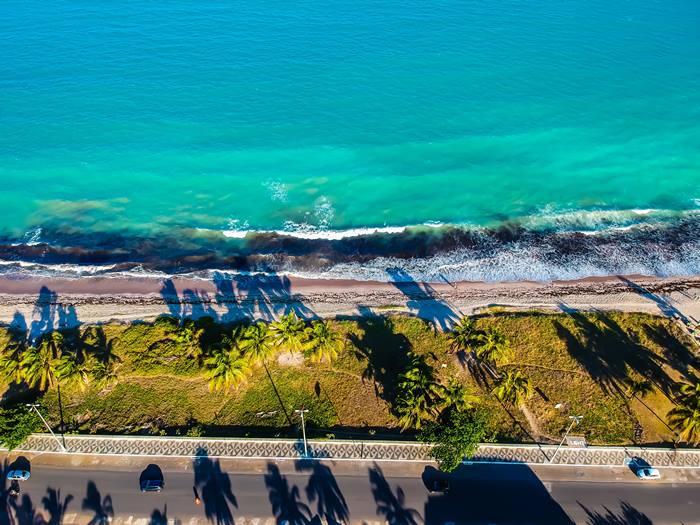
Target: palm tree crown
257 343
289 331
463 335
418 394
71 367
493 347
39 366
685 418
457 396
322 342
226 368
513 388
11 364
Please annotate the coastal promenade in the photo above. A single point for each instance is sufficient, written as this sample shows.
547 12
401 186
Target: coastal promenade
353 450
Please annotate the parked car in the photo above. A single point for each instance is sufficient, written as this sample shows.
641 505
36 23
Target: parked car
19 475
439 486
152 485
648 473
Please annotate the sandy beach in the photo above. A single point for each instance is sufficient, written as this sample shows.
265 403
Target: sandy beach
69 302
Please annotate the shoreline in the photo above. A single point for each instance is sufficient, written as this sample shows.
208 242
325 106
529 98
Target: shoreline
70 302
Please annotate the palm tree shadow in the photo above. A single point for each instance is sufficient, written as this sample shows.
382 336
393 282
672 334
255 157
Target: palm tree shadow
392 507
159 517
422 299
664 305
215 488
285 500
610 354
324 490
628 515
385 351
55 506
101 507
25 512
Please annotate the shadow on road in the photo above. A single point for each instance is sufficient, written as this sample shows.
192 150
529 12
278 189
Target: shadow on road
55 506
323 490
392 506
100 506
214 487
483 494
159 517
287 506
628 515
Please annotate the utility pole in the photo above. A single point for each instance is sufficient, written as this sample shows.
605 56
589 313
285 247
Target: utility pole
303 430
575 420
34 407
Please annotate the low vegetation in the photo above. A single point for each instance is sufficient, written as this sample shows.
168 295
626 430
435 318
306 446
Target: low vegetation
505 376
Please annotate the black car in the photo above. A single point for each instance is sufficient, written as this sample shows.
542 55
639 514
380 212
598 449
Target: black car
152 485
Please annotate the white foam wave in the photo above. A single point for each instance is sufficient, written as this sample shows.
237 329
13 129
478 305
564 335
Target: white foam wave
316 233
589 222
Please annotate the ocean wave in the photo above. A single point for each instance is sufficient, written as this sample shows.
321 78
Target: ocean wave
564 245
550 245
309 232
591 222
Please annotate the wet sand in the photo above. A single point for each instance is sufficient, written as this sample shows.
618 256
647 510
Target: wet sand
67 302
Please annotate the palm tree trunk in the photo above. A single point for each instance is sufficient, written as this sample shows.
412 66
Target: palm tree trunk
286 414
60 415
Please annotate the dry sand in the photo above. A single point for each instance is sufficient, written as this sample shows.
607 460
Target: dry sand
43 303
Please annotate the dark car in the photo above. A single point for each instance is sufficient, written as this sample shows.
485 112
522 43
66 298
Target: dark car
439 486
152 485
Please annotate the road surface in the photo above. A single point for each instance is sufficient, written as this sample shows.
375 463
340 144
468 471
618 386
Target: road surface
95 492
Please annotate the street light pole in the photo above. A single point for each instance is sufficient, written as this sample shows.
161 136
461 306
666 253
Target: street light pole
34 407
303 430
575 420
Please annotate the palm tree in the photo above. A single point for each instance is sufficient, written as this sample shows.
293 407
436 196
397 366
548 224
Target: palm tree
289 331
226 367
639 388
189 337
418 394
513 388
103 362
493 347
463 335
456 395
413 408
323 342
257 343
690 391
39 366
11 364
72 368
685 418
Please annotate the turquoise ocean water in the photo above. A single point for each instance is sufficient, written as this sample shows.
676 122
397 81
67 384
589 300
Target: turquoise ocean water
516 139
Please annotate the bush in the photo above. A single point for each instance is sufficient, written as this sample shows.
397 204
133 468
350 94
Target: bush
16 424
457 437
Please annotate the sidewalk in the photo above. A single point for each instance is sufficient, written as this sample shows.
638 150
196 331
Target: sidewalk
352 450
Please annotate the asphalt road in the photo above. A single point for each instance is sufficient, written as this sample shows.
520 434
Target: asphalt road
479 494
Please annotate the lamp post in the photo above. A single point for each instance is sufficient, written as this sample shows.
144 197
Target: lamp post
34 407
303 430
575 420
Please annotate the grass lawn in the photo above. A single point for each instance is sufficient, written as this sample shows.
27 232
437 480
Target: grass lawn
583 361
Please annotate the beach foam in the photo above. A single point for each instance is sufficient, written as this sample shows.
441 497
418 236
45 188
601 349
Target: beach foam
659 243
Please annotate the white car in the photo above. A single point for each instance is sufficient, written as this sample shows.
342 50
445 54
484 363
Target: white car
18 475
648 473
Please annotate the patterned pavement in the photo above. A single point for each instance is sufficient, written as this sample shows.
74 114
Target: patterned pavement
381 451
